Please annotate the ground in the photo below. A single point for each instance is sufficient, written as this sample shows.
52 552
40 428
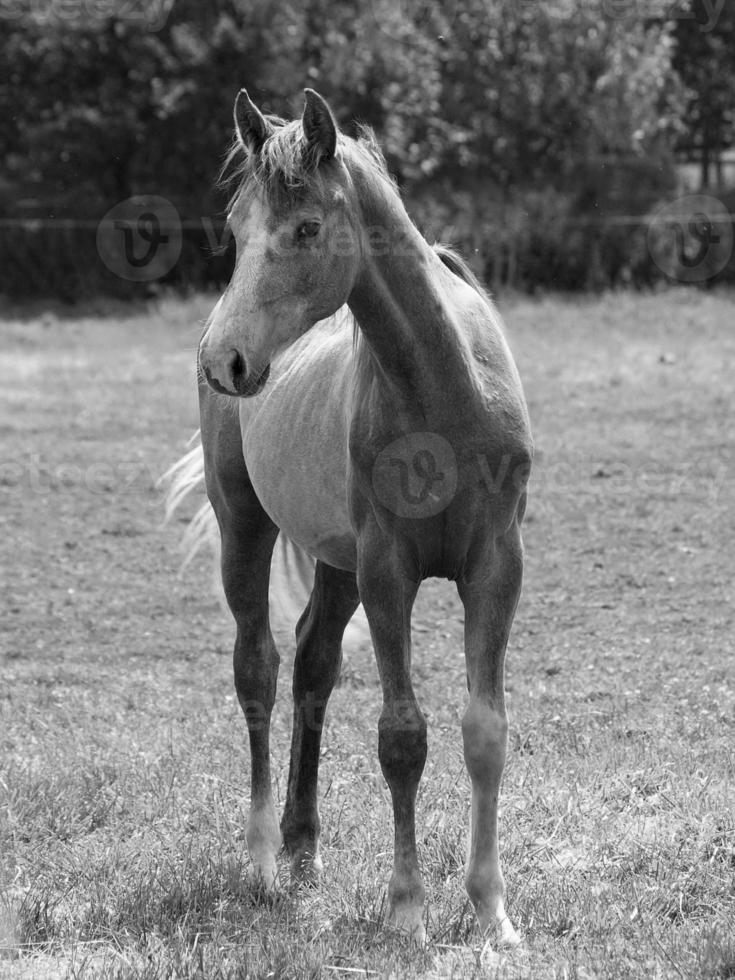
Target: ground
123 763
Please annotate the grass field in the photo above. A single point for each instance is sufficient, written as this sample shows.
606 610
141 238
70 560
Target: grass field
123 764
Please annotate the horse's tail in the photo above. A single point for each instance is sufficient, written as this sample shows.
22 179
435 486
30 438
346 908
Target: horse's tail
184 478
292 569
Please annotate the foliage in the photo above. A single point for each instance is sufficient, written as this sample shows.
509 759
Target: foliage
483 109
548 85
705 61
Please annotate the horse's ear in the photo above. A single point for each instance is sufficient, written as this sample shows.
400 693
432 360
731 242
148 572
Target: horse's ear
320 128
251 125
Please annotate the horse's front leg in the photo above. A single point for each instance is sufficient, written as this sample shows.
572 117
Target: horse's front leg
319 633
248 535
388 595
489 593
246 552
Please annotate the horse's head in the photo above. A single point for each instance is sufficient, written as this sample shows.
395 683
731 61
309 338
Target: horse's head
297 238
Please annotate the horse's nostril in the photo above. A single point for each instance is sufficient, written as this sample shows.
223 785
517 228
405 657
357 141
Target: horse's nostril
237 367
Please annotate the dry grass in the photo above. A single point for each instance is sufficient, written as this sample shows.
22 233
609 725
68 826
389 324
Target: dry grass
123 771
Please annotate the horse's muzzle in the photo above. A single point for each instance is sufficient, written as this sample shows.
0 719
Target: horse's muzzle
243 385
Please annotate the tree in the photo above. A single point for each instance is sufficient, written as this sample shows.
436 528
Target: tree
505 122
535 88
705 60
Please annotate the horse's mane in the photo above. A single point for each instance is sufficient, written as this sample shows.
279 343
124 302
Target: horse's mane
285 168
456 264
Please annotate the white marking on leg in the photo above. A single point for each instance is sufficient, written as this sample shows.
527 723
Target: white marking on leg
484 730
264 842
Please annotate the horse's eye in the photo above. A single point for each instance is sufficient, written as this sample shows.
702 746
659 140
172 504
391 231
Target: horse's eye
307 230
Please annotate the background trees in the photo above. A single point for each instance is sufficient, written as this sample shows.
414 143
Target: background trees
704 57
517 130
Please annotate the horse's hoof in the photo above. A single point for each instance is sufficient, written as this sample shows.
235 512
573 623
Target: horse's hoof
505 935
264 879
264 842
409 921
500 938
306 868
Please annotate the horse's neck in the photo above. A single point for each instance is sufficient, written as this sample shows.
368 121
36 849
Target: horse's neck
401 301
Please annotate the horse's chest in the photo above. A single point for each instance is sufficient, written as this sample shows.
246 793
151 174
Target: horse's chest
297 462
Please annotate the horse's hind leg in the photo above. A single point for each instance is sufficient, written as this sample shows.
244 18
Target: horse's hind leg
489 599
318 655
248 536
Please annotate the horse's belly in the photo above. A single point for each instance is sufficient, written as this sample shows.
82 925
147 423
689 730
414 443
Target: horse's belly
296 452
306 501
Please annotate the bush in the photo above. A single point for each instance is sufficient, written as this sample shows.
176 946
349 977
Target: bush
41 259
540 239
596 234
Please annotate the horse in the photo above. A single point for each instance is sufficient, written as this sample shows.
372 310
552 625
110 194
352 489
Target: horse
356 389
